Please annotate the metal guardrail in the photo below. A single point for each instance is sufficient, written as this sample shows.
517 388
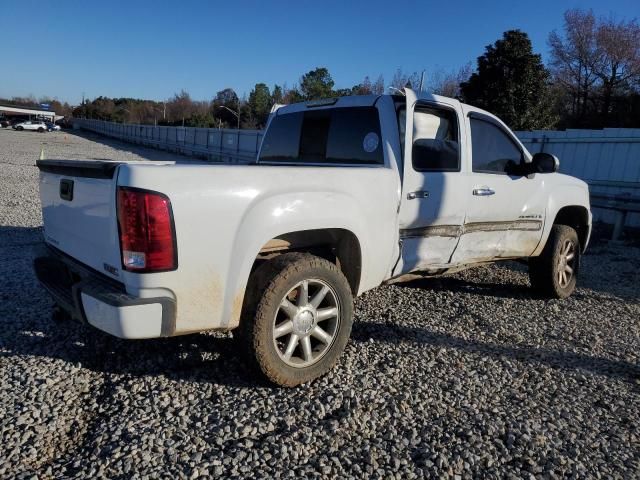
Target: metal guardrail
220 145
624 200
621 203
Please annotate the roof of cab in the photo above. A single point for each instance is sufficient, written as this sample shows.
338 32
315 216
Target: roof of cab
370 100
349 101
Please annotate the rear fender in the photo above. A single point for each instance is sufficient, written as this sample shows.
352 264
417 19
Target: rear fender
278 215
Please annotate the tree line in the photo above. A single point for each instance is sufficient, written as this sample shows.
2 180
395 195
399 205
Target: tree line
592 80
226 109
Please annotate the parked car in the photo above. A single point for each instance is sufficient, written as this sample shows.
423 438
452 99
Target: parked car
52 127
37 125
4 123
345 194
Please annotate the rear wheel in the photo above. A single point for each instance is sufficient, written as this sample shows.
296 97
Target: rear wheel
299 321
555 271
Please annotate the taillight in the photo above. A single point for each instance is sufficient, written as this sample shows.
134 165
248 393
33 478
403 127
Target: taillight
147 237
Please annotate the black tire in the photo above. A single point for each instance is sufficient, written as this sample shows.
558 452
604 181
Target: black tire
41 130
545 271
19 128
268 286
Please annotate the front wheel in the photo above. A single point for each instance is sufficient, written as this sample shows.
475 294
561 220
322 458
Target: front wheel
299 321
19 128
41 130
555 271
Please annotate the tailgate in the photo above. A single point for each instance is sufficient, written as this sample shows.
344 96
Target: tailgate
79 211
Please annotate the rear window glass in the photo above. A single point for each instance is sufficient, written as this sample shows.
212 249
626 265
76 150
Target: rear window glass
338 135
283 138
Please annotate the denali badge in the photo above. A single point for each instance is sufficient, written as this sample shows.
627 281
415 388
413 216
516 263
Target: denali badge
110 269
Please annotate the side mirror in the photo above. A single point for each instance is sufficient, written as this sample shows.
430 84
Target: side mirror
543 162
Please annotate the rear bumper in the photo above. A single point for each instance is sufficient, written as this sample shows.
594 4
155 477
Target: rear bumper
93 298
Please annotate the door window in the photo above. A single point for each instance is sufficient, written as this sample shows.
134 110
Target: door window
492 151
435 140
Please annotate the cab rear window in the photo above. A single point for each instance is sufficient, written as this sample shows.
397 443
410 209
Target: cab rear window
330 136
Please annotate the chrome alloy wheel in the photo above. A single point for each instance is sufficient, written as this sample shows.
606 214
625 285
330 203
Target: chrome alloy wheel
566 263
306 323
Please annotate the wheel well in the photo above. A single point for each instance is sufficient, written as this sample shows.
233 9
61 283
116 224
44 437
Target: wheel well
577 218
336 245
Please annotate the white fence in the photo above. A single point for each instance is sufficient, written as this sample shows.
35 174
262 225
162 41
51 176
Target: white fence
222 145
609 159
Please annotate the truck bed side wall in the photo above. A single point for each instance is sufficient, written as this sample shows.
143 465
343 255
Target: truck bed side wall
225 214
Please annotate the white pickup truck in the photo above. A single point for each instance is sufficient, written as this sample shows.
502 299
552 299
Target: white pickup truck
345 194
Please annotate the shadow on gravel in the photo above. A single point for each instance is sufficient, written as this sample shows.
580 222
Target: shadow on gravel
193 358
562 360
619 278
27 329
19 237
488 289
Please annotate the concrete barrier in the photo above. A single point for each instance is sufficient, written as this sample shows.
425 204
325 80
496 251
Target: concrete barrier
218 145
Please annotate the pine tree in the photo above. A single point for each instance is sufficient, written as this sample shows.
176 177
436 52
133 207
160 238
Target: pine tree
512 83
260 104
316 84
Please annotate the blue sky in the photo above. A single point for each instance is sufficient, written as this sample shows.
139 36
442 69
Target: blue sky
152 49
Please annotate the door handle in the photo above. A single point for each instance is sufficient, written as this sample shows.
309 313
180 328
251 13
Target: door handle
419 194
483 191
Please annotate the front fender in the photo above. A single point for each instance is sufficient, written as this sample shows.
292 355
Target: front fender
563 195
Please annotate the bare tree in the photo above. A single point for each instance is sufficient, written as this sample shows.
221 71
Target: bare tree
378 86
618 66
574 54
595 60
401 80
180 107
447 84
366 85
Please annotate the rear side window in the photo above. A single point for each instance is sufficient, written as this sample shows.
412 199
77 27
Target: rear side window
492 151
332 136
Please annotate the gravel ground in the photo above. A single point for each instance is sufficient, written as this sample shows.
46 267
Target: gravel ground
465 376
